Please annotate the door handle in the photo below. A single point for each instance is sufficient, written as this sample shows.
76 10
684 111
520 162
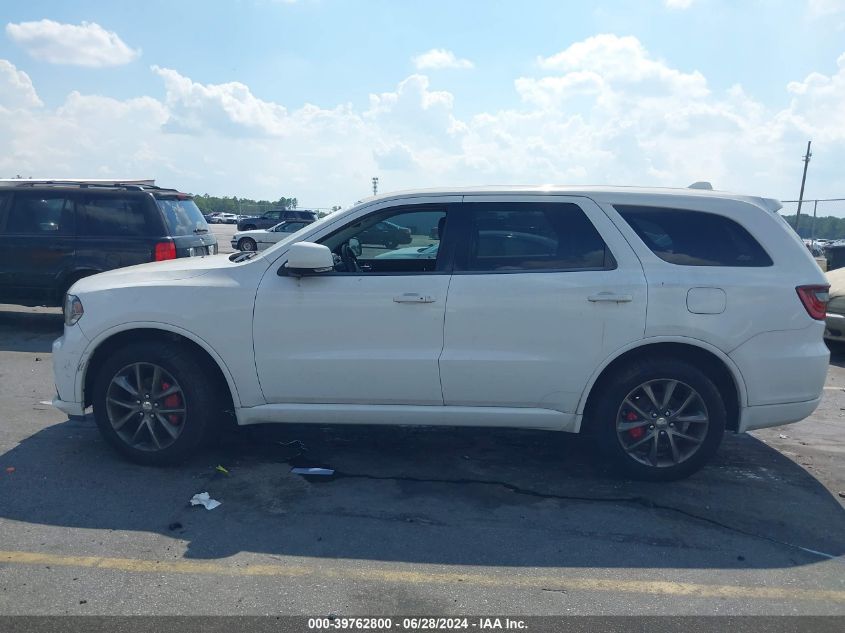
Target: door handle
610 297
413 297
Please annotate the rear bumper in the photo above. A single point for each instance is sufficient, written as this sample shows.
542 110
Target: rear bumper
775 414
786 367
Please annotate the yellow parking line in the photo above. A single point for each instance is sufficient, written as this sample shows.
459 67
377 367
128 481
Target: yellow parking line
377 574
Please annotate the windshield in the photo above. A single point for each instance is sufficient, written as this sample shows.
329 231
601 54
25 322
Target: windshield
182 217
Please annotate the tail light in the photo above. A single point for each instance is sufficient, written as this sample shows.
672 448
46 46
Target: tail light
815 300
165 250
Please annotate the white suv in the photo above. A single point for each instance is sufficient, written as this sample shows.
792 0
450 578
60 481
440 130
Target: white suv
652 319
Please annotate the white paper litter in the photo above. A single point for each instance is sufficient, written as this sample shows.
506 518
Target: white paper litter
783 437
203 499
312 471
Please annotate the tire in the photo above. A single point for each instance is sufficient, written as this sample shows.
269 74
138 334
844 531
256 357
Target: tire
247 244
175 436
391 244
684 440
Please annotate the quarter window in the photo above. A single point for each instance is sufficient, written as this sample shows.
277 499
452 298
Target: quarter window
507 236
694 238
40 213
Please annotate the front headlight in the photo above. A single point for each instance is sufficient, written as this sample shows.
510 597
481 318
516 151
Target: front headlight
73 309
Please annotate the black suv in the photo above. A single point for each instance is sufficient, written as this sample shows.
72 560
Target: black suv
53 233
273 217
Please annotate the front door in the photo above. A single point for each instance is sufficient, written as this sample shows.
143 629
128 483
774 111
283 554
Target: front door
543 289
37 245
371 331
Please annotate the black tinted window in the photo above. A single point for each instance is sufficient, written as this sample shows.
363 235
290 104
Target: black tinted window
694 238
111 217
44 213
507 236
181 216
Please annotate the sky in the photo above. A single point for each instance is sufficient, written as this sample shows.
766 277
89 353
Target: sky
312 98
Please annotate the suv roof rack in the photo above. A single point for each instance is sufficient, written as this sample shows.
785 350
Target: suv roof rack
135 185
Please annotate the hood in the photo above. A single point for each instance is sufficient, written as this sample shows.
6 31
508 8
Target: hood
152 273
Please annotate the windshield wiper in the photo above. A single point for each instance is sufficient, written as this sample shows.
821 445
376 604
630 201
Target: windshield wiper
200 230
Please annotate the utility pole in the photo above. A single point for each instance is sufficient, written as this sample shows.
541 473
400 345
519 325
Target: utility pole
813 228
806 160
375 185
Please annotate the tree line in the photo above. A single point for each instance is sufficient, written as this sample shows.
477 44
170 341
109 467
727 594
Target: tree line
233 204
826 228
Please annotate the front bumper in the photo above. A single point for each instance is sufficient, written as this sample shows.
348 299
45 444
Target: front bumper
70 408
834 327
68 364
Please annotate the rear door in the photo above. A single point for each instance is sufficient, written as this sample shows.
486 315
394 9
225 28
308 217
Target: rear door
544 289
36 244
114 230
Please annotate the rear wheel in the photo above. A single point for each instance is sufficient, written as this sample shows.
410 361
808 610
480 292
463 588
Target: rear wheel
247 244
153 402
659 419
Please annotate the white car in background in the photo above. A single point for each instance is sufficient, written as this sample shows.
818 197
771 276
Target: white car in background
259 239
652 319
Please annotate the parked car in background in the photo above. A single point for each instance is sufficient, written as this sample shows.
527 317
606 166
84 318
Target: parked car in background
226 218
385 234
260 239
53 233
273 217
210 218
652 319
834 330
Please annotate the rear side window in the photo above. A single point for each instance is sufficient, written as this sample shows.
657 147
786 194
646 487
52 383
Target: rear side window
112 217
529 236
39 213
694 238
182 216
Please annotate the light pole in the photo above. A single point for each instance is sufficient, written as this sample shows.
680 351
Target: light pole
375 185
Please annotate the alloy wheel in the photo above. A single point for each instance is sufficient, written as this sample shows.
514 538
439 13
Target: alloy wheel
146 406
662 423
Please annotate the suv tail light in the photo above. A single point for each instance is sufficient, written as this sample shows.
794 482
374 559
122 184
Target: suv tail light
815 300
165 250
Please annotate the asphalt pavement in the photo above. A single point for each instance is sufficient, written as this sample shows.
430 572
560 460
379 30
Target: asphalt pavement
415 520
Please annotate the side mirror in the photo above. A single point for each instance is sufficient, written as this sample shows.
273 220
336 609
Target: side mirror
307 258
355 245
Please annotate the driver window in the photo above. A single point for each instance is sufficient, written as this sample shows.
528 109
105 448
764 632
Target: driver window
402 240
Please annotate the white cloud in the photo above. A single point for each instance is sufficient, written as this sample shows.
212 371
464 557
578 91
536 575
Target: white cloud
603 110
16 89
678 4
825 8
87 44
440 58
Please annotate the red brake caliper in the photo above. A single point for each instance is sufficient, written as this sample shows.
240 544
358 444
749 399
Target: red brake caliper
636 432
173 401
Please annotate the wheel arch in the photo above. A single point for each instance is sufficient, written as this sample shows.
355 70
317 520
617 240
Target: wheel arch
100 348
716 363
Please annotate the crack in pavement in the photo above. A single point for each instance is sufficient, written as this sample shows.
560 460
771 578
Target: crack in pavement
631 500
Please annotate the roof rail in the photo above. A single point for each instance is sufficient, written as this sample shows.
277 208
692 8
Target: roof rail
18 182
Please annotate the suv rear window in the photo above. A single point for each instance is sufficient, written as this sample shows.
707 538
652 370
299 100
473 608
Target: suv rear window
694 238
181 216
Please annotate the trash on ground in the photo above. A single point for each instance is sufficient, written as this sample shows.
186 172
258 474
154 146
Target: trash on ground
842 494
220 469
312 471
204 500
783 437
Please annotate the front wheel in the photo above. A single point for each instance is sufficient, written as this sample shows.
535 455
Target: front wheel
659 419
247 244
153 402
